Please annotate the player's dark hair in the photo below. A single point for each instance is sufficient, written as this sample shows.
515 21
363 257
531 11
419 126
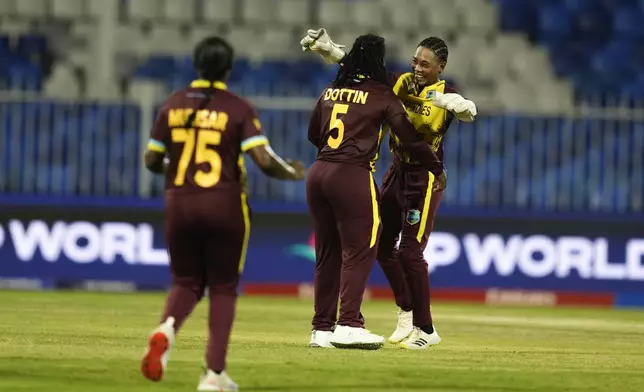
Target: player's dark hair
212 59
366 59
438 46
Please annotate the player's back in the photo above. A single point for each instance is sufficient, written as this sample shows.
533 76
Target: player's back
346 124
205 156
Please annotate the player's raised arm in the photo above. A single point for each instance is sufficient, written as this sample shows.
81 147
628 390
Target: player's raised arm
320 42
258 147
413 143
156 149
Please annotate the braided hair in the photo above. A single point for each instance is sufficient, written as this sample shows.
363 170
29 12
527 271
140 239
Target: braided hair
438 46
366 59
212 59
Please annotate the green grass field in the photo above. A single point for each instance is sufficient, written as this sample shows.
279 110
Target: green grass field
77 342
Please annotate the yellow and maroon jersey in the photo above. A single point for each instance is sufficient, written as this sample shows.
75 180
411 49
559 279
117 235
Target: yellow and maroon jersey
430 121
347 126
207 156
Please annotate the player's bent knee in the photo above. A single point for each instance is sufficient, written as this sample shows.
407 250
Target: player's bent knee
385 252
412 259
195 285
228 289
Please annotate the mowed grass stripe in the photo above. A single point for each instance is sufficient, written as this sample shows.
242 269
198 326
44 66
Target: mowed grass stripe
92 342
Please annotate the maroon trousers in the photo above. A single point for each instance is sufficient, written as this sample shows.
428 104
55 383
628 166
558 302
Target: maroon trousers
207 235
343 200
408 209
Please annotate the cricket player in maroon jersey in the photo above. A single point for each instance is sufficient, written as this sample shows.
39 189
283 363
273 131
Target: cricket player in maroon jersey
346 127
203 130
410 194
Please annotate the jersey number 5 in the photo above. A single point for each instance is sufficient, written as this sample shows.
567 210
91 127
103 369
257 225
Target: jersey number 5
336 123
203 154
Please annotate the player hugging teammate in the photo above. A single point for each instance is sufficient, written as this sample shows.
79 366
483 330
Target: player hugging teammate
198 142
345 127
411 194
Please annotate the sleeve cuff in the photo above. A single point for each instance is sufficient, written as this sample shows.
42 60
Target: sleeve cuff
156 146
253 142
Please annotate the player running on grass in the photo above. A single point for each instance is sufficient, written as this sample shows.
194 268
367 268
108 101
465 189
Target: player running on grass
204 130
411 194
346 129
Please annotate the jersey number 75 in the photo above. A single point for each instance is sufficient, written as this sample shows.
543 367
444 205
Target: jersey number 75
199 143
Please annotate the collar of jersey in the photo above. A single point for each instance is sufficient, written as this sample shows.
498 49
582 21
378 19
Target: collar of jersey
202 83
430 87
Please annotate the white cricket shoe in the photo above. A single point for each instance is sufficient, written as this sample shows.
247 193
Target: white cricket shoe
353 337
212 381
404 327
160 342
419 340
321 339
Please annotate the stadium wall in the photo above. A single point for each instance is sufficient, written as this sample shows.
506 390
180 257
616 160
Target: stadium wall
495 260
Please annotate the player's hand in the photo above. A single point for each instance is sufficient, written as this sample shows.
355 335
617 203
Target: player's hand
299 168
440 183
456 104
446 101
320 42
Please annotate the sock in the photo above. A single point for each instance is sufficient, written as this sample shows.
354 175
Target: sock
180 303
220 322
427 329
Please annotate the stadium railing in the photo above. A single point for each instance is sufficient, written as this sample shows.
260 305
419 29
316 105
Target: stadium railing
591 160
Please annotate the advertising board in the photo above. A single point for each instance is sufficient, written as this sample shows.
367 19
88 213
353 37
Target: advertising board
125 250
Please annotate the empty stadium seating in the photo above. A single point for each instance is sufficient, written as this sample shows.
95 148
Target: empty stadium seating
520 59
597 44
269 30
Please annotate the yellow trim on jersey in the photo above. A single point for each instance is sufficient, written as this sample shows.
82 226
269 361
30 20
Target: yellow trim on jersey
376 213
243 175
253 141
402 81
156 146
246 215
201 83
425 213
372 164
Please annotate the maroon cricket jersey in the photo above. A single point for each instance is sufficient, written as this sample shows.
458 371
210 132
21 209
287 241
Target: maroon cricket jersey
346 125
208 155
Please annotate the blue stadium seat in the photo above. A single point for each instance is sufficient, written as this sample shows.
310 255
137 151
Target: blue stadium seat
25 77
30 44
555 21
582 5
5 46
571 57
240 70
615 58
629 23
594 24
518 16
157 67
624 3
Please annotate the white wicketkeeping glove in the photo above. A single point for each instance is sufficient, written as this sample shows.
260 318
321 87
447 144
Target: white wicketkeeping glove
320 42
463 109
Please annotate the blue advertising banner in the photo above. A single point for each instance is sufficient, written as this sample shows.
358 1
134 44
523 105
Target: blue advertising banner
60 249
